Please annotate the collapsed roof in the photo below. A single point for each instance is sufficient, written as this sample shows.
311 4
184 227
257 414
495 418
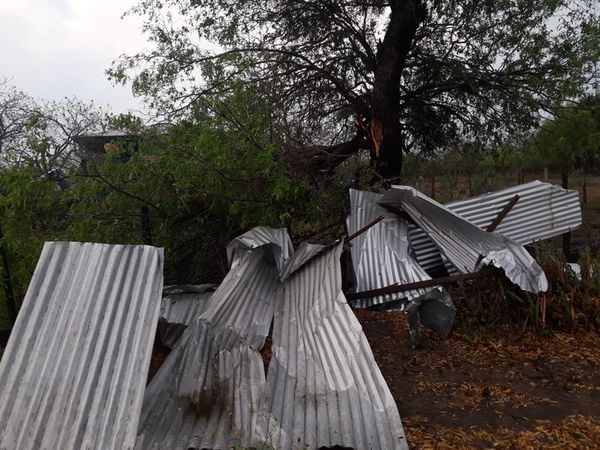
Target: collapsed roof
323 386
405 237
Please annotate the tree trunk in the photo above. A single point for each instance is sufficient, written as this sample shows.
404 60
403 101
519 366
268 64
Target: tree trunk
386 129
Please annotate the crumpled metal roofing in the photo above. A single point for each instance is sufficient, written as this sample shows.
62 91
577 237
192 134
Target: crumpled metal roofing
467 246
206 393
277 239
74 370
180 306
544 210
380 255
324 387
211 391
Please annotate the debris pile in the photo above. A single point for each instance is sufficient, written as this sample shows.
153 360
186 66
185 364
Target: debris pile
402 238
73 373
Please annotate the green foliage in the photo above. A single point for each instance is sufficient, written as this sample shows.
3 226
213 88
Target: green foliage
204 181
478 69
571 140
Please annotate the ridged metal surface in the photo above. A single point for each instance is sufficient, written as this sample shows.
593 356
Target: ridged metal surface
206 393
277 239
380 255
305 253
74 370
465 244
180 306
543 211
323 385
211 390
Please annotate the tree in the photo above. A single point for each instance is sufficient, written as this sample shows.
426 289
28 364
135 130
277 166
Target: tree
571 139
386 76
40 133
14 112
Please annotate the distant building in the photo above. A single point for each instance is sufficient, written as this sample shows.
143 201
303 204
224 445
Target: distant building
93 147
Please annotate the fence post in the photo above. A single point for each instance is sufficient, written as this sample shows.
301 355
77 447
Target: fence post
566 238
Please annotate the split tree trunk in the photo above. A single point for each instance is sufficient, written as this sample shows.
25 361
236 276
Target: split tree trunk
386 129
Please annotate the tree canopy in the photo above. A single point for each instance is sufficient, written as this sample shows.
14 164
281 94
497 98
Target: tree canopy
386 76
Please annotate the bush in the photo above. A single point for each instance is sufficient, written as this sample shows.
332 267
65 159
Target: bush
570 303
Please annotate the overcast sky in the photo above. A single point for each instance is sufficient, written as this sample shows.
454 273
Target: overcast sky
57 48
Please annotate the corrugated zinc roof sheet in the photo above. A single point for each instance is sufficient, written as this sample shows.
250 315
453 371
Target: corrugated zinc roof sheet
543 211
211 391
324 387
465 244
380 255
180 306
206 393
74 370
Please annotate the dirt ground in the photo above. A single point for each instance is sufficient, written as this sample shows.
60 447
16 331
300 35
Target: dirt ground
498 388
490 388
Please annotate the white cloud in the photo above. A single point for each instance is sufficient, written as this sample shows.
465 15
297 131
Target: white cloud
62 47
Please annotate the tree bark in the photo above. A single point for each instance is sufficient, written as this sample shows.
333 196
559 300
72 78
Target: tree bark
386 129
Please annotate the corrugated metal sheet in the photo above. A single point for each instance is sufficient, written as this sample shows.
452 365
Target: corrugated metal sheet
74 370
180 306
467 246
206 394
543 211
276 238
380 255
211 391
323 386
305 253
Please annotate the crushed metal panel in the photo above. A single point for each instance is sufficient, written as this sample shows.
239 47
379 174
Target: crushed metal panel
74 370
206 393
380 255
543 211
180 306
467 246
276 238
305 253
324 387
